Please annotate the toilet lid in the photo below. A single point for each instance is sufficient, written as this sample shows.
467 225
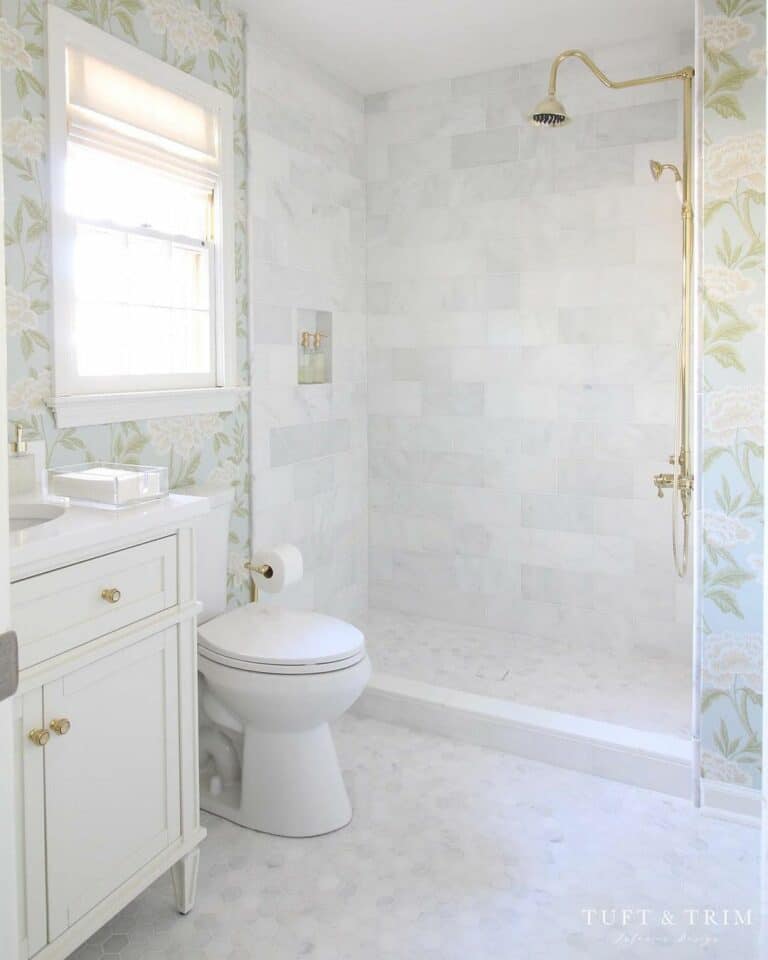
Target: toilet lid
276 637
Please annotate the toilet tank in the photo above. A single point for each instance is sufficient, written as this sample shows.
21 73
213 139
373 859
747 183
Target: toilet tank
211 548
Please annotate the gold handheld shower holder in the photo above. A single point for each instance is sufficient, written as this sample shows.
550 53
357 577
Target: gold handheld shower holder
657 169
550 112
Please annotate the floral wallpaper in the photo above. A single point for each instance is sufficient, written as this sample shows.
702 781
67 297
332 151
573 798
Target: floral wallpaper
733 321
204 38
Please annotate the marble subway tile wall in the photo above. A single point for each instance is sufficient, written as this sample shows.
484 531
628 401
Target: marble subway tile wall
307 252
524 300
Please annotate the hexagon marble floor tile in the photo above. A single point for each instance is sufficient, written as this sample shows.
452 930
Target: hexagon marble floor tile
460 853
639 688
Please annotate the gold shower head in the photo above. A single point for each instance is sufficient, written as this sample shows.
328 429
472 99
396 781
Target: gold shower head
549 113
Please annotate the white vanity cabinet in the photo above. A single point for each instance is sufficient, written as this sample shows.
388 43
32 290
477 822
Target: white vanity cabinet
106 718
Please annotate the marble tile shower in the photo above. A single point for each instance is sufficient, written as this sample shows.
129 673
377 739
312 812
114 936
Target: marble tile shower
523 299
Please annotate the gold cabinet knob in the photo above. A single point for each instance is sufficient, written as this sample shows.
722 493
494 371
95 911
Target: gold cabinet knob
39 737
111 594
61 726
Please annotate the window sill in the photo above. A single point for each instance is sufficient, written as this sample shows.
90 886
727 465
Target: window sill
99 408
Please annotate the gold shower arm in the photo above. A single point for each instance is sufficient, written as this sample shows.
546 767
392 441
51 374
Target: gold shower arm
685 73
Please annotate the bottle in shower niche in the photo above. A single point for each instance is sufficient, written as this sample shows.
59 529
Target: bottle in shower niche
305 357
318 363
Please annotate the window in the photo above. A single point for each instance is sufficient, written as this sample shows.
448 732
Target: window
142 232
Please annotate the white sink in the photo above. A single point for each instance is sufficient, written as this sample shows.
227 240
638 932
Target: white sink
23 515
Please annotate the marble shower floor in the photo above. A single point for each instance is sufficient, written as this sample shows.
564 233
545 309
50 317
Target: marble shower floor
456 852
634 690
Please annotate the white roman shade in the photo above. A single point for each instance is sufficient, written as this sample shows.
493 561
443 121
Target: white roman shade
103 99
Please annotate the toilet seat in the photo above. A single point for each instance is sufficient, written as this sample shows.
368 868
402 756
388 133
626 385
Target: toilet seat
263 639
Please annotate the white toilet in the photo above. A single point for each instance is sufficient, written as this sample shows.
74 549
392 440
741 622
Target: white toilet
271 680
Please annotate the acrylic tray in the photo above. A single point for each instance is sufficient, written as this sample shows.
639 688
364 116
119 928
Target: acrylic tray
109 484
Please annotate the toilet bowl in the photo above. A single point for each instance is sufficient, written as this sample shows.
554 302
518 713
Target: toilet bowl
273 681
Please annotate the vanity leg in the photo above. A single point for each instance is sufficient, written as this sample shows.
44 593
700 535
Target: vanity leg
184 877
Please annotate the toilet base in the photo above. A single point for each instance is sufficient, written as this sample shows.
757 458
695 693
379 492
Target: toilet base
292 785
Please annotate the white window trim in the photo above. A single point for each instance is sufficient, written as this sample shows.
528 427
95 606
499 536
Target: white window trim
70 409
96 408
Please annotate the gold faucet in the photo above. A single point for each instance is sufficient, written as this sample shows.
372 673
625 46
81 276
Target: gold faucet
19 445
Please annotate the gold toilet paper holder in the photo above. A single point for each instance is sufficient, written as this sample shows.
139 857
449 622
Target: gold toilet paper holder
264 570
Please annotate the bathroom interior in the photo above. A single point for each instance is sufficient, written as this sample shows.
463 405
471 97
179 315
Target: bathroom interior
385 401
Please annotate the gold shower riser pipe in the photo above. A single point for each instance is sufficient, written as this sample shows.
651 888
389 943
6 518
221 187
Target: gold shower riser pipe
682 481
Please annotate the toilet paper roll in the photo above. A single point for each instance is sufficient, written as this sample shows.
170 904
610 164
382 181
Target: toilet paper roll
286 564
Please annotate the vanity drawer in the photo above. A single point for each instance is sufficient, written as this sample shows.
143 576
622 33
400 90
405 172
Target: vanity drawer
59 610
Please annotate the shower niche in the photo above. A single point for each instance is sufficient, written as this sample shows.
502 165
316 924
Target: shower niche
314 346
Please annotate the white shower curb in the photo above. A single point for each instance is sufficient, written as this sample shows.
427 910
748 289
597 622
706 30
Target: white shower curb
654 761
644 759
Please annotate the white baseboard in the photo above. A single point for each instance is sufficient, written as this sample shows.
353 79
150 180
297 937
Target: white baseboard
728 801
644 759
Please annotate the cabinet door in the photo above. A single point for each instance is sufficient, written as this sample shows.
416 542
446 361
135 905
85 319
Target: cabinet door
30 821
112 780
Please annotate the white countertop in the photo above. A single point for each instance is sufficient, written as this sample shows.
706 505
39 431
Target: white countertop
81 528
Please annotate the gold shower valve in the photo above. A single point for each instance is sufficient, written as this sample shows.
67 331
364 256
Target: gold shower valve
666 481
662 482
